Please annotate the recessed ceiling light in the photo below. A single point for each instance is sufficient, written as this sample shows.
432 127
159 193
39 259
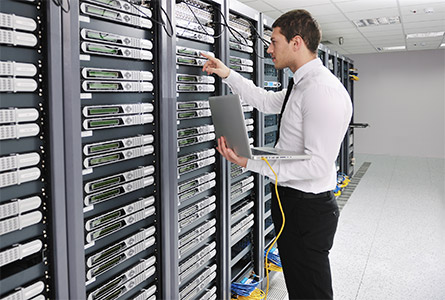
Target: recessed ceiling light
377 21
424 34
442 45
391 48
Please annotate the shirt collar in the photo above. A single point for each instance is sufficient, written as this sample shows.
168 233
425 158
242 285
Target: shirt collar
304 69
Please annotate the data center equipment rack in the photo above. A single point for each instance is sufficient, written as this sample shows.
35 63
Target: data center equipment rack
273 80
198 198
112 113
348 143
244 188
30 118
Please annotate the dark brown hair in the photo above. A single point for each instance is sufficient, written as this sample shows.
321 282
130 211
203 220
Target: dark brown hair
300 22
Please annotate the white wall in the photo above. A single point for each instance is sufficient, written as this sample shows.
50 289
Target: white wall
401 95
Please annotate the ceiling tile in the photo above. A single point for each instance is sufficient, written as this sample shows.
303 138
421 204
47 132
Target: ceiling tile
418 2
438 24
337 26
374 13
381 28
363 5
260 6
420 8
396 38
383 33
424 17
274 14
332 18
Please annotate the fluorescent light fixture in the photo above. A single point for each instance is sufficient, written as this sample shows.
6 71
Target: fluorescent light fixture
425 34
442 45
391 48
377 21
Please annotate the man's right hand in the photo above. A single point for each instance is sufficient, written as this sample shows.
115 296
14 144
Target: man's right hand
215 66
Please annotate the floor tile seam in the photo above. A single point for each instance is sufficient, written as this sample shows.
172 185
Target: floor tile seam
376 229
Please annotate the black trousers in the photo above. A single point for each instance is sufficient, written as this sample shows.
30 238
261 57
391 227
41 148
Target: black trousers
304 244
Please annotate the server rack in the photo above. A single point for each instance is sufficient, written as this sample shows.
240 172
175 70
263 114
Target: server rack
348 143
244 187
112 108
30 176
200 171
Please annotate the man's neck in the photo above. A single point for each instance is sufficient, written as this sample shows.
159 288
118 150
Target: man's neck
302 60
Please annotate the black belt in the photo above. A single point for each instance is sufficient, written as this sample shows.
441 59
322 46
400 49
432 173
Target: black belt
300 194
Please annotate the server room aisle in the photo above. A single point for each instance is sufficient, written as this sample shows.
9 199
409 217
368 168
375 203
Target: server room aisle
391 233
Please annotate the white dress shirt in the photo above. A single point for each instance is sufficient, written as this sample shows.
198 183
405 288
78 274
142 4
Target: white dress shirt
315 121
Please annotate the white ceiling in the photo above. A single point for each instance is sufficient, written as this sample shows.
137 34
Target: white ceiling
336 16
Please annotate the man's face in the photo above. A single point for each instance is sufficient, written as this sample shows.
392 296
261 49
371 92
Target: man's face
280 49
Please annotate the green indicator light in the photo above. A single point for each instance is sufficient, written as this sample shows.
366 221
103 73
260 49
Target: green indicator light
186 114
104 147
103 74
103 49
186 60
235 60
107 266
186 51
188 158
186 78
188 186
187 105
187 141
107 253
103 111
107 230
105 219
234 67
104 196
103 86
101 160
102 36
101 123
183 87
187 168
105 183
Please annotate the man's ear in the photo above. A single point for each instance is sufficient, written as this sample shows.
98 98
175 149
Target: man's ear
297 42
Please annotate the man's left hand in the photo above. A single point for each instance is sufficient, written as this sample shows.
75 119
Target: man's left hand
229 154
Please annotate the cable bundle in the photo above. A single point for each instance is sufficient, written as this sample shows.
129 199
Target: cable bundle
245 287
274 261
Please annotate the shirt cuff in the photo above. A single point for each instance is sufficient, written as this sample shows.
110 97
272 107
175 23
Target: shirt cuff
254 165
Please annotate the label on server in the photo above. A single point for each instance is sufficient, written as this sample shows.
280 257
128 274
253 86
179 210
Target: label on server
120 246
17 22
110 74
113 15
12 68
191 157
116 86
190 61
18 131
105 159
196 165
109 146
194 182
110 181
17 38
192 52
116 109
15 85
186 132
196 139
185 33
116 226
119 213
126 6
102 123
118 191
116 51
201 113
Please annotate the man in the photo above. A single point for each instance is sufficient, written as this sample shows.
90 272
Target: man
315 114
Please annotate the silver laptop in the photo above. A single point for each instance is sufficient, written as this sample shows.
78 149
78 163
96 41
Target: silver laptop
228 119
